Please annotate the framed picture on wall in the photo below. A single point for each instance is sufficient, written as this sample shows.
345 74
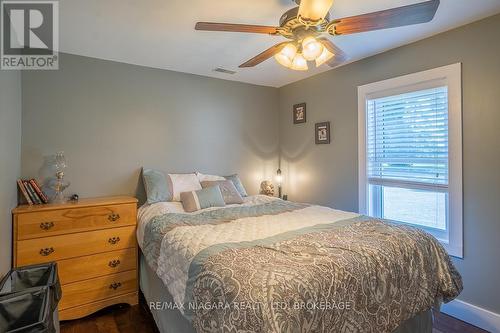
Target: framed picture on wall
322 133
299 113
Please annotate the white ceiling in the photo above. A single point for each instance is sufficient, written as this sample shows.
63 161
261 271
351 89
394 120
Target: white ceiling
160 33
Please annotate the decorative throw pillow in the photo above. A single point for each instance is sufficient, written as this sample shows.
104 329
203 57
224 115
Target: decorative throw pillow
229 191
156 186
202 177
237 183
201 199
182 182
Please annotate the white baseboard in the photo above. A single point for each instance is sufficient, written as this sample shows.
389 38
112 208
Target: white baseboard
474 315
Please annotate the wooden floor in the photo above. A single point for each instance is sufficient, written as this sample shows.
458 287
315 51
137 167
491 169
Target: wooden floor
133 319
115 319
446 324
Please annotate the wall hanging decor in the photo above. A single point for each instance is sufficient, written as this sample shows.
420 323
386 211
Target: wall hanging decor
299 113
322 132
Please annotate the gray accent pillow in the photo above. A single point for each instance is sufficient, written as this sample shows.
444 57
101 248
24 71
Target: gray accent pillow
237 183
155 184
201 199
229 191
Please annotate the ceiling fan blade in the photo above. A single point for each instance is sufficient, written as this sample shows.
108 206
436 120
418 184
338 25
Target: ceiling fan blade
396 17
339 56
314 10
214 26
264 55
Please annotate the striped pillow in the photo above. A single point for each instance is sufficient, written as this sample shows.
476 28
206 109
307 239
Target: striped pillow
201 199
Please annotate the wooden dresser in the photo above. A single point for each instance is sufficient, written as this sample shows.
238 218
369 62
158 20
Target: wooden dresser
94 244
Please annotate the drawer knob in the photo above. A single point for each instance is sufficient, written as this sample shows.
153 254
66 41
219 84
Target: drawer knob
113 240
114 263
46 225
113 217
115 285
46 251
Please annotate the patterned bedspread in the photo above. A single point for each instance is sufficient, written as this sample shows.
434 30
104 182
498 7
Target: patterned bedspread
278 266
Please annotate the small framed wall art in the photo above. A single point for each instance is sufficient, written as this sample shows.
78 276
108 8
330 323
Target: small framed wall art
299 113
322 133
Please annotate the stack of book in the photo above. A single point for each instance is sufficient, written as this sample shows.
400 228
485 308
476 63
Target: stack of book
32 192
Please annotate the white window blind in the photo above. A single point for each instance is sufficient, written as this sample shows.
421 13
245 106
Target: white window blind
410 152
407 139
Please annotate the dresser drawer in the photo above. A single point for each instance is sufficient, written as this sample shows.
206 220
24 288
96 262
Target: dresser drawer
70 220
100 288
33 251
88 267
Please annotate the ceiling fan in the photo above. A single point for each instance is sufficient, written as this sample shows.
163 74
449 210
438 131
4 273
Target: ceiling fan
307 26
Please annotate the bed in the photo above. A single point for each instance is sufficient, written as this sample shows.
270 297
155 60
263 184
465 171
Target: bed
269 265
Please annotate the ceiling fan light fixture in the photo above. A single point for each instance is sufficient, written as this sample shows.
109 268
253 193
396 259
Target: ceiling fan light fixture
314 11
286 55
299 63
312 19
324 57
311 48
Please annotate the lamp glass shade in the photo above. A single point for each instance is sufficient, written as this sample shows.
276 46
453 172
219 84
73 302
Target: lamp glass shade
286 55
279 177
324 57
311 48
299 63
314 10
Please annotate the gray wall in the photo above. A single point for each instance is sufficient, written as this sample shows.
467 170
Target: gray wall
327 174
10 158
112 118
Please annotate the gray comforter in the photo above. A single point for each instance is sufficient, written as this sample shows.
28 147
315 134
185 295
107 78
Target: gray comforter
357 274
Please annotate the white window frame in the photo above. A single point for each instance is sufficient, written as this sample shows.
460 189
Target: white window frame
450 76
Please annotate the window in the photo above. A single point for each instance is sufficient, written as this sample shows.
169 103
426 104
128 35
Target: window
410 152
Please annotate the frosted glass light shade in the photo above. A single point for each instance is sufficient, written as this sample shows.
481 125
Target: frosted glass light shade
314 10
311 48
299 63
324 57
286 55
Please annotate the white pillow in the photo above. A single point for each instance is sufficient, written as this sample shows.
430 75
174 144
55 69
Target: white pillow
208 178
183 182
